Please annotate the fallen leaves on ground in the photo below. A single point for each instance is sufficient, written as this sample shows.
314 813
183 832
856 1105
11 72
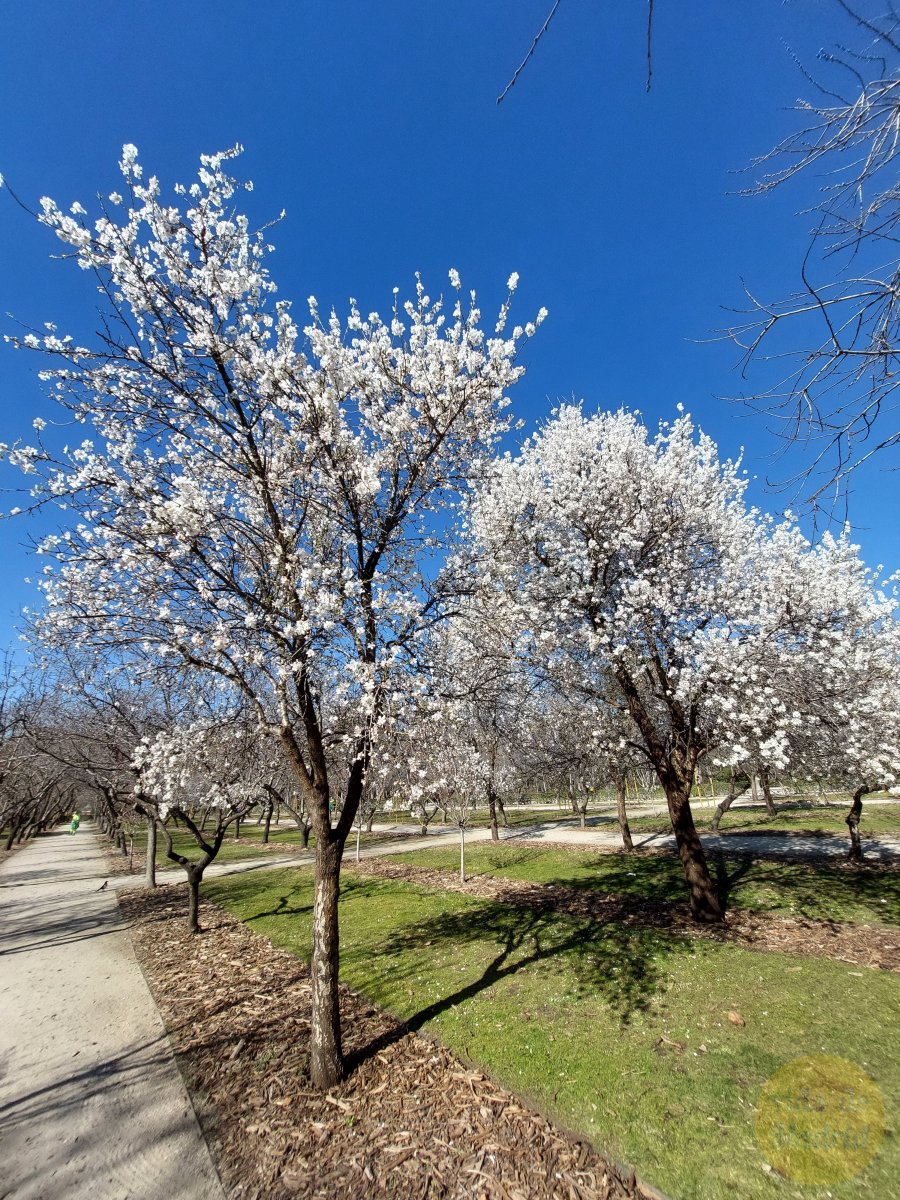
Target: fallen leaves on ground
410 1121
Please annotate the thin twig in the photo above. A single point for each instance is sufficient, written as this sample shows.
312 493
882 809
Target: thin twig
521 67
649 42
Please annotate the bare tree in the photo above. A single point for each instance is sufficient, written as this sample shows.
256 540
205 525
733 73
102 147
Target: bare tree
836 339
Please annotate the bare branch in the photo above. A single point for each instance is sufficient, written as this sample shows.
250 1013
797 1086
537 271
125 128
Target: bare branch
521 67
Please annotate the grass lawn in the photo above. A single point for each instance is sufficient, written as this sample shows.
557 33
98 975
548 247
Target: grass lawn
231 851
287 839
820 892
798 817
480 818
580 1017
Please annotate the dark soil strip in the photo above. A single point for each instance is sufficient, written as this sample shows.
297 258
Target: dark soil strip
412 1121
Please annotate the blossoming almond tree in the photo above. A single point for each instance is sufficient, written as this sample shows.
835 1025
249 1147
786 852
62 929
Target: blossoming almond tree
634 562
219 767
820 697
258 502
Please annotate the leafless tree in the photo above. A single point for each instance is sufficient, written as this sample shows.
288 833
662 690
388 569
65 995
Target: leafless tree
835 341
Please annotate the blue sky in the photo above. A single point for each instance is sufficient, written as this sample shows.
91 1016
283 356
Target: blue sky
375 127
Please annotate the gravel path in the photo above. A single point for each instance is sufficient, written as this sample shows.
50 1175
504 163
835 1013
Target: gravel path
91 1101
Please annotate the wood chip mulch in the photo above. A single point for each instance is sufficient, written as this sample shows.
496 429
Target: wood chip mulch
864 945
410 1121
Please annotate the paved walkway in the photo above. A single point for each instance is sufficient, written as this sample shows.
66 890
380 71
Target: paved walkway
771 845
91 1101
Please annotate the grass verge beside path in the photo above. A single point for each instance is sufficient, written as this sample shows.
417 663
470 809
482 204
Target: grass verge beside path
823 893
801 818
620 1034
282 843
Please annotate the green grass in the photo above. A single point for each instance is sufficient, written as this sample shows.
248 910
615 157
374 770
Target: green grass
231 851
819 892
480 818
796 817
569 1013
250 846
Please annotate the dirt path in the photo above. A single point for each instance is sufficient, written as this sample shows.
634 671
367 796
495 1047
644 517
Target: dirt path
91 1101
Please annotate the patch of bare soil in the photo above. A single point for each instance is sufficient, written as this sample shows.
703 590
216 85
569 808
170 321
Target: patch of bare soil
410 1121
865 945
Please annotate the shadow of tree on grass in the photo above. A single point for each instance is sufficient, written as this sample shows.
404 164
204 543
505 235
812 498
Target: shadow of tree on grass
601 959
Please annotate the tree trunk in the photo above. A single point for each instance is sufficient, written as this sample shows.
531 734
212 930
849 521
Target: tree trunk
622 814
502 807
358 835
326 1065
150 869
739 785
705 905
267 825
771 810
194 877
369 823
852 819
462 854
582 813
492 810
304 836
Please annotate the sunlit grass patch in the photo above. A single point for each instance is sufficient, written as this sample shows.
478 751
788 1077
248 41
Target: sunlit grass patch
832 893
621 1034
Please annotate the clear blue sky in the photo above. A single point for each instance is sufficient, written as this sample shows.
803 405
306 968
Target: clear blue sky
375 126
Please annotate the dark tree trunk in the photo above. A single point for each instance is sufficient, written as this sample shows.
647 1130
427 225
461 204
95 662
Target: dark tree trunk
492 810
268 823
852 819
573 798
304 836
705 904
195 875
150 871
675 769
622 814
326 1064
771 810
369 821
502 807
739 785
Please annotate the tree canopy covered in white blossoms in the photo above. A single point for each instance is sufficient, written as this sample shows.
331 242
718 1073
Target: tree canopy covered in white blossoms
257 500
636 571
